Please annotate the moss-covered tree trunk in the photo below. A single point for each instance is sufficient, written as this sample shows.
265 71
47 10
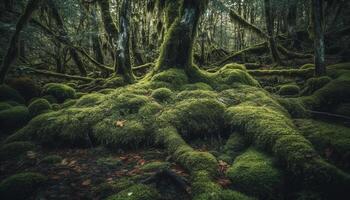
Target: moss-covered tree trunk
176 50
319 46
13 48
270 30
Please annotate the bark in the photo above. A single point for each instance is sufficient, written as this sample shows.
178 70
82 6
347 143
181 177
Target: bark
319 46
270 30
64 35
176 50
13 48
292 20
95 38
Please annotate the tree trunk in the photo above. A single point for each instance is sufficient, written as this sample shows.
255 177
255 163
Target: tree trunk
64 35
123 66
319 46
95 37
13 48
176 50
292 20
270 30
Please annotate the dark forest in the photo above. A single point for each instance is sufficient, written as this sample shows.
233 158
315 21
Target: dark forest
175 99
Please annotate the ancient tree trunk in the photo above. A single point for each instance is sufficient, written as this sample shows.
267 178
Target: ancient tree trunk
123 66
270 31
64 35
317 19
13 48
96 45
176 51
292 20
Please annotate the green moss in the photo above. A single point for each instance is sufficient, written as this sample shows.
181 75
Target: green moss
175 77
109 162
307 195
114 82
9 94
21 186
50 99
38 107
226 78
233 147
308 66
150 109
197 86
52 159
4 106
331 140
313 84
129 103
26 87
289 90
294 107
107 189
235 66
13 118
196 94
162 94
89 100
15 149
137 192
254 173
196 117
155 166
60 91
343 109
304 73
130 134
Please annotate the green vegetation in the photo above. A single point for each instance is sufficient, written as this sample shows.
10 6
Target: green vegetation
21 186
162 94
291 89
15 149
9 94
38 107
13 118
52 159
136 192
155 166
61 92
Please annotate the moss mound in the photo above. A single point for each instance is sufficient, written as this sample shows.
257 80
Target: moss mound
9 94
174 77
313 84
38 107
21 186
52 159
197 86
13 118
254 173
235 66
195 117
15 149
155 166
61 92
26 87
4 106
162 94
287 90
234 146
137 192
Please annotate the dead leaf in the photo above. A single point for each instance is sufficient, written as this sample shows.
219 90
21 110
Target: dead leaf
86 182
120 123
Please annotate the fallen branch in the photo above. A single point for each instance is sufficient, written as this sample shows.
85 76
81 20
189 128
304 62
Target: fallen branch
59 75
331 116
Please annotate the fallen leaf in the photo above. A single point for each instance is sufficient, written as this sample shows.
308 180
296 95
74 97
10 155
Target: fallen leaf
120 123
86 182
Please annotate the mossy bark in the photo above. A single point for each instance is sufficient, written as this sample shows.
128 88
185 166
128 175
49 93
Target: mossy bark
319 45
12 51
176 51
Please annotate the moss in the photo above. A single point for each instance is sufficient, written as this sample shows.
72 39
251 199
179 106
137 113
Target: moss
175 77
104 190
334 93
303 73
234 146
21 186
254 173
26 87
331 140
4 106
15 149
13 118
313 84
235 66
61 92
109 162
137 192
104 91
307 195
150 109
197 86
50 99
114 82
131 134
89 100
308 66
162 94
289 90
195 117
226 78
155 166
294 107
196 94
9 94
52 159
129 103
38 107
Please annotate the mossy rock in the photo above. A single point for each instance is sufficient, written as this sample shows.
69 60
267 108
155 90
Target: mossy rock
51 159
308 66
313 84
234 146
50 99
162 94
8 93
235 66
26 87
175 77
197 86
196 94
38 107
14 118
254 173
89 100
61 92
195 117
137 192
15 149
289 90
104 190
155 166
4 106
21 186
